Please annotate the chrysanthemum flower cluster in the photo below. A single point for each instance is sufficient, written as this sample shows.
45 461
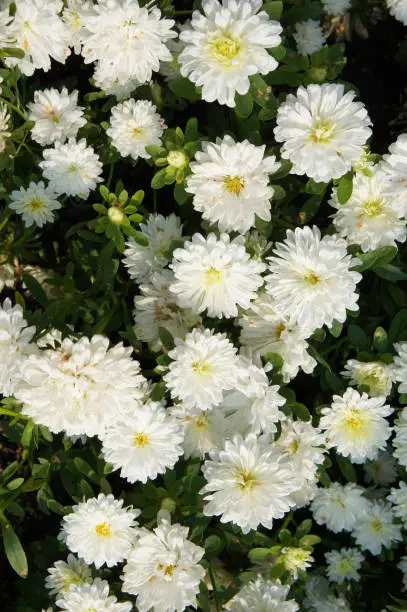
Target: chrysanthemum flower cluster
203 344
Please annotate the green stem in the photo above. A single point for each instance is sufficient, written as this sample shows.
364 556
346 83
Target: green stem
215 592
109 180
178 13
333 347
14 108
4 222
16 415
287 521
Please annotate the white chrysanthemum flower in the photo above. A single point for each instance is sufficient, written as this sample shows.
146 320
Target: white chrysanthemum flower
72 168
204 366
80 387
226 45
263 595
369 217
400 439
339 507
216 275
403 568
163 569
317 271
142 261
303 444
306 493
15 338
63 575
156 307
343 564
230 183
143 442
73 16
266 329
100 530
323 131
252 406
248 483
308 36
376 375
92 597
40 33
375 529
382 470
113 87
127 41
336 7
394 165
7 278
4 126
134 126
35 204
398 498
203 431
356 426
398 8
296 560
56 114
400 362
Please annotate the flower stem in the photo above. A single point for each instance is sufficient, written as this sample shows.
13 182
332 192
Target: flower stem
215 592
14 108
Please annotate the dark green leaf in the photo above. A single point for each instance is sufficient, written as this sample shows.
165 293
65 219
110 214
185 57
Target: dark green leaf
13 549
345 187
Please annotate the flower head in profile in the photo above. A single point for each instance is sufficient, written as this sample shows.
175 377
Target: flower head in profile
142 261
376 375
225 45
398 497
216 275
318 272
356 425
163 569
134 125
264 595
100 530
267 329
369 217
72 168
230 183
400 363
248 483
94 597
62 576
56 114
323 131
36 204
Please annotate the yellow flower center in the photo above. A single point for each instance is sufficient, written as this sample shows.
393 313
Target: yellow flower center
247 480
141 439
280 330
201 422
312 278
201 367
103 530
354 422
377 525
36 204
345 565
293 447
373 208
234 184
225 47
322 131
213 276
137 131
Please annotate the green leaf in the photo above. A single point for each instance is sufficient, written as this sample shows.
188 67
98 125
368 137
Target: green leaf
13 549
277 570
304 528
377 258
213 544
336 329
36 290
180 195
346 468
273 9
158 180
309 540
276 361
345 187
12 52
390 273
259 554
86 469
314 188
184 88
191 129
244 105
166 338
14 484
299 410
358 338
